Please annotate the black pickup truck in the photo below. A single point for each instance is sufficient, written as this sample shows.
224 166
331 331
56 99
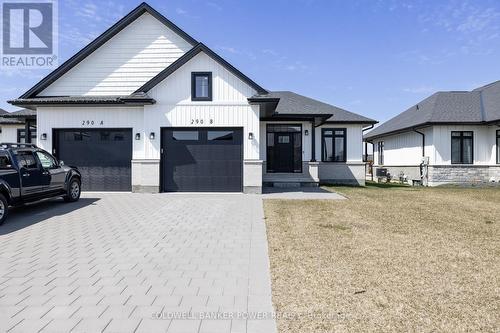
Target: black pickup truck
29 174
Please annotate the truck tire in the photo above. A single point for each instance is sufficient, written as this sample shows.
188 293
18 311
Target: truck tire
74 190
4 209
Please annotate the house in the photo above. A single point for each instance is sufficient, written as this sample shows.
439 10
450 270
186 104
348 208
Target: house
13 125
146 107
456 134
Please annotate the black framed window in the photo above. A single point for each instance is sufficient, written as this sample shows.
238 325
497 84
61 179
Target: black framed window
21 135
380 152
498 147
185 135
201 86
334 144
462 147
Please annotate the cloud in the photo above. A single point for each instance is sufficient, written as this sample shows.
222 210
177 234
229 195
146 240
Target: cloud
420 90
214 5
234 50
181 11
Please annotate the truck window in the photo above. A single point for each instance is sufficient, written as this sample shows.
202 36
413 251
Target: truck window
26 160
5 162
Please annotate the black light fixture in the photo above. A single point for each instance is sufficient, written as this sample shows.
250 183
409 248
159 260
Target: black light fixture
152 136
43 136
138 136
250 136
306 132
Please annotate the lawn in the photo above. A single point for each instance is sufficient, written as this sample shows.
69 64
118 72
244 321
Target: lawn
388 259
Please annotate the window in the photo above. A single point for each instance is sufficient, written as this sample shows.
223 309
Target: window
380 151
334 145
462 143
220 135
498 147
47 161
21 135
5 162
201 86
185 135
25 159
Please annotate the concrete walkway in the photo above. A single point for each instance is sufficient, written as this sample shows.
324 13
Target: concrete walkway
136 263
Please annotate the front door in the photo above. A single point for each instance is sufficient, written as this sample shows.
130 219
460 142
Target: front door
283 152
284 148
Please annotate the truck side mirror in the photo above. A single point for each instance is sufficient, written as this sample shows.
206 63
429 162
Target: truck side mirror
61 163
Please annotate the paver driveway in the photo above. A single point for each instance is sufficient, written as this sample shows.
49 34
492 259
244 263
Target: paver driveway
116 262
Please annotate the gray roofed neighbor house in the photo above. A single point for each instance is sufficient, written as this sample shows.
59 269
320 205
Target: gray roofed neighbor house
290 103
2 111
23 113
479 106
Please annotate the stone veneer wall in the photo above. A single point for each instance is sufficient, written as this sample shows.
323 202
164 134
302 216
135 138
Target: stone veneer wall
463 174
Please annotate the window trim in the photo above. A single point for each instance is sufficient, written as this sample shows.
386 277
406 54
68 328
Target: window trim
462 147
498 146
193 86
333 136
380 152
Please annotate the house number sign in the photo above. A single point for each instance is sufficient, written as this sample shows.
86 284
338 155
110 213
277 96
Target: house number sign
92 122
202 121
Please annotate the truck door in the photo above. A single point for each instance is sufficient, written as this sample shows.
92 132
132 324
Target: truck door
30 173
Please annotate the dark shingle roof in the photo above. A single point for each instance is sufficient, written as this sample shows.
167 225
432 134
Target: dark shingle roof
2 111
481 105
136 98
10 121
23 113
291 103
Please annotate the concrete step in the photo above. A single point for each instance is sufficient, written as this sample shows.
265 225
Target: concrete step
286 184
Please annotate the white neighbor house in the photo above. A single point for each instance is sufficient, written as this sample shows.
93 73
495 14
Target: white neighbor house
145 107
458 133
13 126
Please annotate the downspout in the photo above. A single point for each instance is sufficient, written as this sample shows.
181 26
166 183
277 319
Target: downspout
423 165
366 146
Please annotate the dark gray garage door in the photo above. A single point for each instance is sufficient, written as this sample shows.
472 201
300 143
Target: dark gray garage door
103 156
202 160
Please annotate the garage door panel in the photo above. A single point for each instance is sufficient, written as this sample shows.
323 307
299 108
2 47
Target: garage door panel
103 156
202 165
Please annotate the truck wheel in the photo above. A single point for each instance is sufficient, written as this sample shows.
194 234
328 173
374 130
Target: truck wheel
74 190
4 209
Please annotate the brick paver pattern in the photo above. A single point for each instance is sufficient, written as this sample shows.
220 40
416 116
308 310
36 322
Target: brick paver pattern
116 262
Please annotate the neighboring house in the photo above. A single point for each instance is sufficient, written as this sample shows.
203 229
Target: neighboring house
13 125
458 133
145 107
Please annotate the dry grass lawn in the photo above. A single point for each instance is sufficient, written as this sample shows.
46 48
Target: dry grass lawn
387 260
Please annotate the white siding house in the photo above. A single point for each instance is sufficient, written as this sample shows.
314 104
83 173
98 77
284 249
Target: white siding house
460 132
145 107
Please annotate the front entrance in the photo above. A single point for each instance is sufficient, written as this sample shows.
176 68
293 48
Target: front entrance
284 148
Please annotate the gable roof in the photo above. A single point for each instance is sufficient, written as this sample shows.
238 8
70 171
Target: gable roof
99 41
200 47
2 111
479 106
23 113
290 103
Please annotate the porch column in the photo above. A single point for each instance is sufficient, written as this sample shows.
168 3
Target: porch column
313 141
27 131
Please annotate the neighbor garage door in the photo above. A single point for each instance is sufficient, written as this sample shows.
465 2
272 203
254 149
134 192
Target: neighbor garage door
202 160
103 156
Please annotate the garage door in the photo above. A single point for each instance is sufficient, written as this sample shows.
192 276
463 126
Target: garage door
103 156
202 160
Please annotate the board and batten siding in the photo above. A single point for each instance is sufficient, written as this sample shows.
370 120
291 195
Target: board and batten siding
9 132
124 63
229 107
404 149
484 143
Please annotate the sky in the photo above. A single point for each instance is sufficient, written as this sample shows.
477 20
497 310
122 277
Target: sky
373 57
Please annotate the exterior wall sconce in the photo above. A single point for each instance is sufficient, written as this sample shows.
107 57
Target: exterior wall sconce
138 136
250 136
306 132
152 136
43 136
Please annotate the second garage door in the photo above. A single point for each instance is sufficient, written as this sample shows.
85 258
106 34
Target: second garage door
202 160
103 156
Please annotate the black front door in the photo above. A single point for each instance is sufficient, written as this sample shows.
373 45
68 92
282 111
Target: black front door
283 152
284 148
